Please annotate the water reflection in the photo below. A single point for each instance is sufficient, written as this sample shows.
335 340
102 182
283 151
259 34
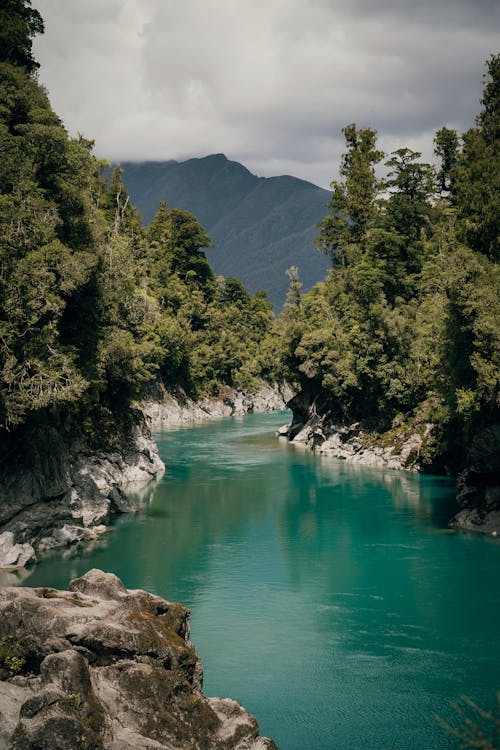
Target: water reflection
326 597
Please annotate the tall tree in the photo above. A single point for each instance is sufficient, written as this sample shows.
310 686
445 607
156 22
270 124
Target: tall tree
446 147
353 202
476 177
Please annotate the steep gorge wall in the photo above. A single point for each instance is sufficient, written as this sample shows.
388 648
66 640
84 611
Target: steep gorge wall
54 492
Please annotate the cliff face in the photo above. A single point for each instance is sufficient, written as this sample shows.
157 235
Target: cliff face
102 667
164 408
54 493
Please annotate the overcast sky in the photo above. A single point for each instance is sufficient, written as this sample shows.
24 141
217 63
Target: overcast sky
269 83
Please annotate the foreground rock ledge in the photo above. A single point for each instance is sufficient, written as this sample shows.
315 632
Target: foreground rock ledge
99 666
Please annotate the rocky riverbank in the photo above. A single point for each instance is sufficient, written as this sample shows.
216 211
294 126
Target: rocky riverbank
102 667
351 443
54 492
167 408
406 446
315 426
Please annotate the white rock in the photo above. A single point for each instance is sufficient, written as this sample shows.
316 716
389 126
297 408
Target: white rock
14 555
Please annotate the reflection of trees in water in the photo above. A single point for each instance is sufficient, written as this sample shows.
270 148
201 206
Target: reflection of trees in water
363 540
211 492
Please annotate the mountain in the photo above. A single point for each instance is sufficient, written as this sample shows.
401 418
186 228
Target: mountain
260 225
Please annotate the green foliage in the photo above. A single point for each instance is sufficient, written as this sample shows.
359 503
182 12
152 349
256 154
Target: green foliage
409 313
353 200
19 23
210 329
42 259
475 190
92 306
446 149
12 658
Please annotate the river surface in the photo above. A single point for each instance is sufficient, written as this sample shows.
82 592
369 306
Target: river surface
330 599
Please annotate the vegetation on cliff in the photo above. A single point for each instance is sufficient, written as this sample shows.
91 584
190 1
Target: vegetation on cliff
93 307
408 318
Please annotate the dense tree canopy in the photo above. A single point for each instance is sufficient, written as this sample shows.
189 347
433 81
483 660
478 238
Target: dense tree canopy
19 23
93 307
408 318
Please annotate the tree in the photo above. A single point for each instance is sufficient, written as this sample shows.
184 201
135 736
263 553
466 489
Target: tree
19 23
353 202
476 182
177 241
446 147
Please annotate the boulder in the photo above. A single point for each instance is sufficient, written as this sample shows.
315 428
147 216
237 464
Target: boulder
14 555
103 667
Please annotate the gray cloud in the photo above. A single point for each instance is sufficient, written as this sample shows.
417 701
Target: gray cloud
268 82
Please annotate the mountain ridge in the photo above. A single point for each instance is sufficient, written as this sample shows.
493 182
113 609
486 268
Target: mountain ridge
260 225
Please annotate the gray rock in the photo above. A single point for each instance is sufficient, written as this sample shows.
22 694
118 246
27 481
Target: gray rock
478 520
165 409
14 555
116 671
59 497
349 443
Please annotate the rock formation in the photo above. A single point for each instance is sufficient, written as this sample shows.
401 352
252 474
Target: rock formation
316 426
54 493
100 667
164 408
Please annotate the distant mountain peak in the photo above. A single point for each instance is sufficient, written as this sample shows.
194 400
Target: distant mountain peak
260 225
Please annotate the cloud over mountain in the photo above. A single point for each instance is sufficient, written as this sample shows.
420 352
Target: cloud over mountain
269 82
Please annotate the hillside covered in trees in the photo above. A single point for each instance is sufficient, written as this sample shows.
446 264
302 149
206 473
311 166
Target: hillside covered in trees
92 306
260 225
405 328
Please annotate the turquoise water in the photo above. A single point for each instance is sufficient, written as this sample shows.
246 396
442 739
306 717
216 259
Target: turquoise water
331 600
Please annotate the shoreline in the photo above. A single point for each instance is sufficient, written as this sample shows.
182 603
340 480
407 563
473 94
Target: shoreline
60 496
404 448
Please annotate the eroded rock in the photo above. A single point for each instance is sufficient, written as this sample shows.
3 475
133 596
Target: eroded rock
109 668
163 408
14 555
55 495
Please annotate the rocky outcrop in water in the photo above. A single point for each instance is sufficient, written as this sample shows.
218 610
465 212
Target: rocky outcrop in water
316 427
102 667
166 408
53 493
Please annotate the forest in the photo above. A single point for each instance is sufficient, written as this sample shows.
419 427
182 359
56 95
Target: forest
94 307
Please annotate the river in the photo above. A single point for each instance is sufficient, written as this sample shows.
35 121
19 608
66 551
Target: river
331 600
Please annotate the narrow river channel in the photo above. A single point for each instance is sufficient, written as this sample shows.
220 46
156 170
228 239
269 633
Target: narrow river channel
330 599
